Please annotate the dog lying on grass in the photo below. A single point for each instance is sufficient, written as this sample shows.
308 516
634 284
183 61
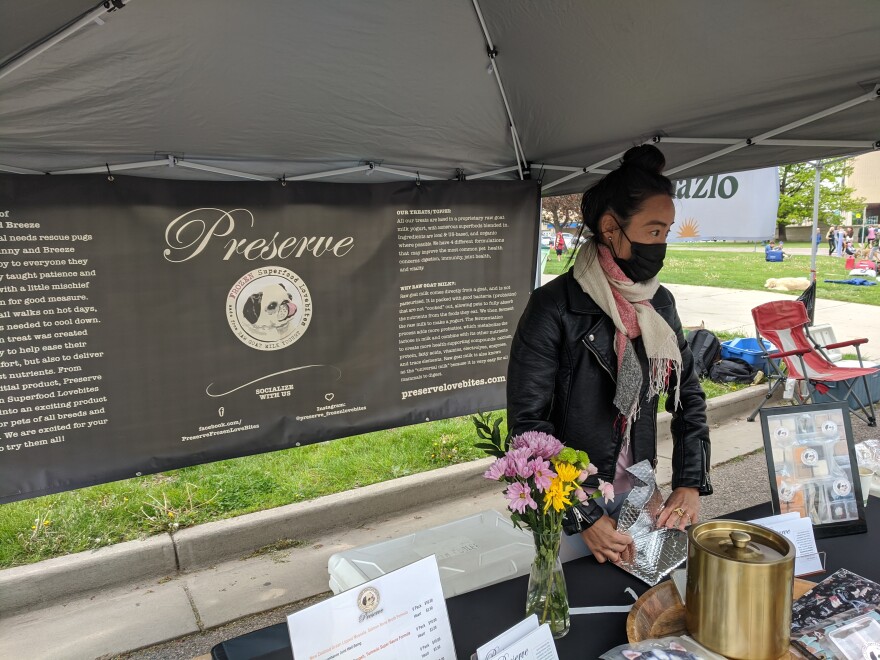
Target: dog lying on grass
787 283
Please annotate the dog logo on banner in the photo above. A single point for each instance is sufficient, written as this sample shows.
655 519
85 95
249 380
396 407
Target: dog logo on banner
269 308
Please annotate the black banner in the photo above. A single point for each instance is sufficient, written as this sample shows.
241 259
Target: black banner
151 324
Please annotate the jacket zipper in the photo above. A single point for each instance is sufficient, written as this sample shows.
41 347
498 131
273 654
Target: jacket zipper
614 379
705 476
599 359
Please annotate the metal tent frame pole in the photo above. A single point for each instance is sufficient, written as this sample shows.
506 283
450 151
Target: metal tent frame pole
492 52
18 170
819 164
815 225
93 16
748 142
590 169
120 167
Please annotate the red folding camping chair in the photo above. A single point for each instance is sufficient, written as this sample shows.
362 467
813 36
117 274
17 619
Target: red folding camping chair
784 323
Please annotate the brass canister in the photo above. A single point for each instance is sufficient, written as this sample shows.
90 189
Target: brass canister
739 589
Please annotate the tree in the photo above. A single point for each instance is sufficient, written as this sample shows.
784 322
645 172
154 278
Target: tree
561 209
796 183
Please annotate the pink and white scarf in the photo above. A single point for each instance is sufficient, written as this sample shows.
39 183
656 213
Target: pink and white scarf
628 304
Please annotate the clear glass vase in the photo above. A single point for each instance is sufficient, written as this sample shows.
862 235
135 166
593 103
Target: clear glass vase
547 596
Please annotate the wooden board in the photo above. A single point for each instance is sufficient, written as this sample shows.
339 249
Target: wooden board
660 612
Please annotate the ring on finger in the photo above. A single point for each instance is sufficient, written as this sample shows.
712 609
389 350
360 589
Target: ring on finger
679 511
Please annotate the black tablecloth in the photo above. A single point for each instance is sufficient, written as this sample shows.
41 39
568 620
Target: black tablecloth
478 616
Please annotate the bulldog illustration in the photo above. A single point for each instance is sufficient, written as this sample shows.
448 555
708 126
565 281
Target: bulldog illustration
269 311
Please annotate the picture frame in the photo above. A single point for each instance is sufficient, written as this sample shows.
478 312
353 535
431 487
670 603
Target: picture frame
811 461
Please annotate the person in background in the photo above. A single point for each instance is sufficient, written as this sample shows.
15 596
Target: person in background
871 236
559 245
817 239
831 237
596 346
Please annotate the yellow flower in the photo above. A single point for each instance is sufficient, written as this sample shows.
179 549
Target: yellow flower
567 472
171 514
33 526
45 522
556 496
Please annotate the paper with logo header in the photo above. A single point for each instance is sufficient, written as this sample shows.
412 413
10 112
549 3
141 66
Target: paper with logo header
799 531
492 648
399 615
537 645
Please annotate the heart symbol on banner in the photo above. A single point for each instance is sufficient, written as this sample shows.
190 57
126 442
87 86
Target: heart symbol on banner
329 396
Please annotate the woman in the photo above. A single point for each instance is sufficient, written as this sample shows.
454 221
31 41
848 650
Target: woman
596 346
832 237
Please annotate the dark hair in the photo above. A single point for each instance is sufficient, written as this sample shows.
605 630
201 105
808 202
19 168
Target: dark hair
626 189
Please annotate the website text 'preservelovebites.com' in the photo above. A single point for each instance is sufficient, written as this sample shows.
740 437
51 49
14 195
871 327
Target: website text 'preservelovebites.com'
448 387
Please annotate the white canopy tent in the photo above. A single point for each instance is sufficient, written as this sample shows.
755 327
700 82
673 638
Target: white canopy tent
293 90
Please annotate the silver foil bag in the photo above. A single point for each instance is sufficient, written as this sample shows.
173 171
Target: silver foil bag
657 550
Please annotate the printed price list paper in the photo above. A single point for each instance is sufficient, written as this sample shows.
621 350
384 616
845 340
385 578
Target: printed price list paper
399 615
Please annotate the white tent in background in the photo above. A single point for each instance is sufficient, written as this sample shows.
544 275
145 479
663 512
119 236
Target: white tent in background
337 89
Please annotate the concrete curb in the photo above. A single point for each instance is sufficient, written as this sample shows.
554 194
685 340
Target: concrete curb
52 580
62 578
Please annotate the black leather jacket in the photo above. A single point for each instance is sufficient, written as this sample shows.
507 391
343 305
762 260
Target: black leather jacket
561 380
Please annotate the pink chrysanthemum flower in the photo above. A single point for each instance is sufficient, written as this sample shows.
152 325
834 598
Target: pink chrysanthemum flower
589 472
519 458
581 495
496 470
543 474
541 444
520 497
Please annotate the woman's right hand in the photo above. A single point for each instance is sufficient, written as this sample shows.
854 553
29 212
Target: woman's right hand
606 543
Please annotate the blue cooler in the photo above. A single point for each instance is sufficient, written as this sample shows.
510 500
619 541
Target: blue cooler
839 388
748 349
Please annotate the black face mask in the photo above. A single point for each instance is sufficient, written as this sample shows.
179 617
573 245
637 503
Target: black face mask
646 260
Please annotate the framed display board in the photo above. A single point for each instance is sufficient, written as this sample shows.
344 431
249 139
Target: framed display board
811 462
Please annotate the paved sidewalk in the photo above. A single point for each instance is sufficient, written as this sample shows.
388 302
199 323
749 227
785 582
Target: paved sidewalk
730 310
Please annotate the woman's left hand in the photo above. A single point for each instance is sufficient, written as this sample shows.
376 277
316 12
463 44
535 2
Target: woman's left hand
681 510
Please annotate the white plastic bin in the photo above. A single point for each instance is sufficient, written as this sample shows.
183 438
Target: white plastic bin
472 553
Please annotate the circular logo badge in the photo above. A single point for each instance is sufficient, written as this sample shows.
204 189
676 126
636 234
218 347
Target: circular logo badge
871 651
810 457
368 600
786 492
782 433
842 487
829 428
269 308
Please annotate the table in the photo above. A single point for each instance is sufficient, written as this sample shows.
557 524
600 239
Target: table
478 616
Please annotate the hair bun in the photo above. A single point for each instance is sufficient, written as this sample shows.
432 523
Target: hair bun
646 157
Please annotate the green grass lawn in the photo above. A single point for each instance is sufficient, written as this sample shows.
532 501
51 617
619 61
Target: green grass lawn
745 270
93 517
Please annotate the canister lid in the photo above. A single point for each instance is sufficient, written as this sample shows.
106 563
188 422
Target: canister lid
741 541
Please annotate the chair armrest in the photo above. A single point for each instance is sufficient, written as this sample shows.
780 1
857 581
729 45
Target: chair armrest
851 342
796 351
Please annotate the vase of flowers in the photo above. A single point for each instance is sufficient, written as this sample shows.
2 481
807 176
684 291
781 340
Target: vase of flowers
544 480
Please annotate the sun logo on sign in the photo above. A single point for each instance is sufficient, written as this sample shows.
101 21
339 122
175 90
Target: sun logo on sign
690 228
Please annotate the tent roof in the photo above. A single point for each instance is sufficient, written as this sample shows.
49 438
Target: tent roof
286 88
